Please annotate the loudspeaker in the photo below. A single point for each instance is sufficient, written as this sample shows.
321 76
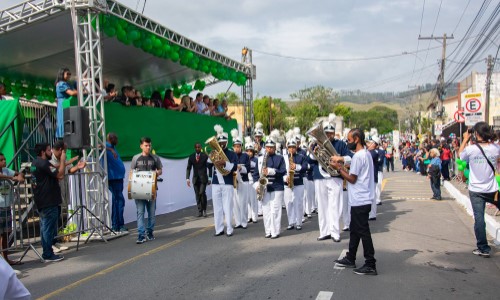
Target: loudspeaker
76 127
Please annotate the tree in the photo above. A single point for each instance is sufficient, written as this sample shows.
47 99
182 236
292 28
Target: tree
268 109
380 117
231 97
344 111
322 97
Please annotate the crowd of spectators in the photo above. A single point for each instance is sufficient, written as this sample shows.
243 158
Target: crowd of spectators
202 104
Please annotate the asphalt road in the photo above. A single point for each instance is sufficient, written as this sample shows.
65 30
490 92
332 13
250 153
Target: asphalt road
423 251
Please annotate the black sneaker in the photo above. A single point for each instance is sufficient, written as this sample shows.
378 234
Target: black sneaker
365 270
150 237
140 240
481 253
345 262
53 258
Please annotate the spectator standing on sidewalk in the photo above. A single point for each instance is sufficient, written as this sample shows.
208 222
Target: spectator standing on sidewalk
434 173
445 161
482 155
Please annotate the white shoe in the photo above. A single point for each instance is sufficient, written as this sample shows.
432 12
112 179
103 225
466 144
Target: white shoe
61 247
55 249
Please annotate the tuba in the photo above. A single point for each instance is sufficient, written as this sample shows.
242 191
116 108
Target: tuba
217 154
291 172
325 150
261 190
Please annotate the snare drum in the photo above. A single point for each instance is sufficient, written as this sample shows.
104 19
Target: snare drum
142 185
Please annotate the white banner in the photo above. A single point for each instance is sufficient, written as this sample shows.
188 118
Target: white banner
173 192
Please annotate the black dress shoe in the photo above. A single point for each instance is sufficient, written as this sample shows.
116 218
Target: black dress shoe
239 226
220 233
372 219
255 221
267 236
290 227
275 237
229 235
243 227
336 240
326 237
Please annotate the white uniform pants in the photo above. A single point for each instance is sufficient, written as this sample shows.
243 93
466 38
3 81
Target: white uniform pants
259 206
253 208
330 202
222 200
378 191
241 204
309 200
294 200
346 210
271 209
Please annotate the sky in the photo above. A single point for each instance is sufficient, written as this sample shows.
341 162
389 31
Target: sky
322 31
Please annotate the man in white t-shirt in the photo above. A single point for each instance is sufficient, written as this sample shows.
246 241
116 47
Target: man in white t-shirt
482 184
361 189
10 286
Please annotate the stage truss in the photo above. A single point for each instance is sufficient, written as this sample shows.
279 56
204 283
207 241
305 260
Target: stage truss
89 67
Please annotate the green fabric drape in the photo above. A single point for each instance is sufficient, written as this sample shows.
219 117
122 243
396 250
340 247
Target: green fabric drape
173 133
8 111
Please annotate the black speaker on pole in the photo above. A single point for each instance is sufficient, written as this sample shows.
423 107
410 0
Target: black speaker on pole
76 127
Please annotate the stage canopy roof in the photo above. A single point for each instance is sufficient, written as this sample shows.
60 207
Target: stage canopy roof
37 38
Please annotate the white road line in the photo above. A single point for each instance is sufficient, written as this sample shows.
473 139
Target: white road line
324 295
342 254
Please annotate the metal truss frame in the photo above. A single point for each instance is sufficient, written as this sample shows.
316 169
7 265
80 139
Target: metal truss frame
26 13
247 92
88 57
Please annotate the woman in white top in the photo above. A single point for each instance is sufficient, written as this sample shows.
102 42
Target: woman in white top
482 156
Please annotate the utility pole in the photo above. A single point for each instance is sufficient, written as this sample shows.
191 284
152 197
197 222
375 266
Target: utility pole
489 71
440 90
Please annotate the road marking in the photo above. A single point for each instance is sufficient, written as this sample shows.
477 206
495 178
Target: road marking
324 295
124 263
383 183
342 254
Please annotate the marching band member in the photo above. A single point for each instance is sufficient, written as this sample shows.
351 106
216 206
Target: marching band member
294 186
241 190
222 186
329 190
310 202
372 147
274 171
253 209
258 135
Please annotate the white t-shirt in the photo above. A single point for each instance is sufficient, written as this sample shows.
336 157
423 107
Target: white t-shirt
6 195
10 286
363 191
481 177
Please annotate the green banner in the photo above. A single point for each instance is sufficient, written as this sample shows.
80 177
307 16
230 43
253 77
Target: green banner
10 110
173 133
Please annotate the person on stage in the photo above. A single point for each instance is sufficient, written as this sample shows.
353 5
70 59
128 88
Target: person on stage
116 173
222 185
63 92
329 190
274 171
198 161
294 196
253 208
242 185
361 189
146 161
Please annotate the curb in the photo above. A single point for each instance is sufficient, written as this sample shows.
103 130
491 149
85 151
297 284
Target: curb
492 226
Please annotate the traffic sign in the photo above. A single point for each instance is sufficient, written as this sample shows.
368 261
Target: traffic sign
459 116
474 111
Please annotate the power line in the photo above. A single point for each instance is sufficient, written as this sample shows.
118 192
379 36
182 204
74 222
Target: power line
418 41
460 20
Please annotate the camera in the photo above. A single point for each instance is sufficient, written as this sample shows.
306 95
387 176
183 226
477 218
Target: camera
470 130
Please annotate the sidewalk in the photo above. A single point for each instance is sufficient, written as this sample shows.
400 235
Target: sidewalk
458 190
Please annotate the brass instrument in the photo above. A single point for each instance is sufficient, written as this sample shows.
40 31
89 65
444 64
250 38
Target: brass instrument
261 190
325 150
291 172
235 179
217 154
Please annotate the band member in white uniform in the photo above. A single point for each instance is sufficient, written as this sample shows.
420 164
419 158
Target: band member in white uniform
329 191
222 186
294 197
259 151
253 209
271 203
241 190
310 203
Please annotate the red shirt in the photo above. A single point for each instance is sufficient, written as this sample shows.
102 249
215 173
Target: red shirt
168 103
446 154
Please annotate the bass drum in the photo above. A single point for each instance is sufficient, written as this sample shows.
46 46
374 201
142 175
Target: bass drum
142 185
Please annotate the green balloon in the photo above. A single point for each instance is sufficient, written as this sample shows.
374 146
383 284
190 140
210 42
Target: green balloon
174 56
157 43
110 31
137 43
147 44
166 47
134 35
466 173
